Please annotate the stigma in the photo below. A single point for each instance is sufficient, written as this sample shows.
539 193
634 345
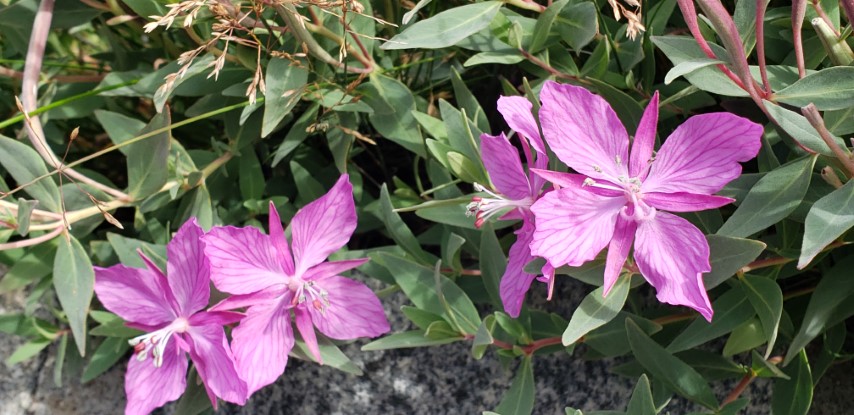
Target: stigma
156 341
484 208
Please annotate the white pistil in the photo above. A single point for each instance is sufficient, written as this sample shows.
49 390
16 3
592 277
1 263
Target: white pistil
156 341
308 290
484 208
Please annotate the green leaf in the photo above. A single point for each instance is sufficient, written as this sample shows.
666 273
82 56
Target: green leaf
59 362
414 11
727 256
519 400
446 28
829 89
731 310
513 327
195 399
330 353
543 27
417 282
250 177
285 85
596 310
767 299
111 326
106 355
399 232
641 402
577 24
25 164
684 48
467 101
775 196
667 368
763 369
119 127
25 210
407 339
32 267
829 218
74 282
393 104
745 337
610 340
483 337
831 292
793 396
492 265
127 249
27 350
800 129
421 318
148 160
685 67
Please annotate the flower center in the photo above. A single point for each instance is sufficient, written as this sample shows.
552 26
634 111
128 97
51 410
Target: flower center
483 208
155 342
636 209
308 291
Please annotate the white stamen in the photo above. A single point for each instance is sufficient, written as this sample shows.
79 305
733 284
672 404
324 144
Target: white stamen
156 341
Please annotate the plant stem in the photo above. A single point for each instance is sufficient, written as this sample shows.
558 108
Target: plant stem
812 115
761 5
745 382
799 11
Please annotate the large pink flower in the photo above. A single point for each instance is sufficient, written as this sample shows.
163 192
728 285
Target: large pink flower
169 310
620 198
517 190
272 280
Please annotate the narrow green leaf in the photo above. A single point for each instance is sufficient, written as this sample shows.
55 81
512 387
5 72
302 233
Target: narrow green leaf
745 337
74 281
728 255
641 402
800 129
399 232
684 48
766 297
829 89
59 361
407 339
419 317
763 369
393 103
285 85
251 178
829 218
492 265
25 165
414 11
330 353
519 400
685 67
195 399
775 196
25 210
731 310
667 368
577 24
119 127
483 337
543 27
610 340
466 100
596 310
32 267
446 28
793 396
27 350
106 355
148 160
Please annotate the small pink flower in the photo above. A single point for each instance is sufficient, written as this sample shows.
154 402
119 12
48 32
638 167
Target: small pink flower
619 198
272 280
169 310
517 191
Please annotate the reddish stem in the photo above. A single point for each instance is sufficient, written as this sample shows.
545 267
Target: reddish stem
799 11
745 382
761 5
530 348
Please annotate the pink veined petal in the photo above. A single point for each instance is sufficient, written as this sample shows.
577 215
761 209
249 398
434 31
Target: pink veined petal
584 132
515 282
574 180
702 155
573 225
261 344
134 295
324 225
672 254
685 202
306 330
644 140
517 113
216 318
504 166
277 237
353 310
330 268
188 269
213 359
273 293
242 260
618 251
148 387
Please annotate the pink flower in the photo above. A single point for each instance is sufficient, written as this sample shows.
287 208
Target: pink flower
169 310
620 198
271 280
517 191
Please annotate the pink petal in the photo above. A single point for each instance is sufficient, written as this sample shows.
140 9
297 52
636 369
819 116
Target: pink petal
148 387
502 163
324 225
574 180
702 155
216 318
672 254
306 330
618 251
644 140
268 295
685 202
517 113
573 225
188 269
515 282
213 359
136 295
242 260
261 344
584 132
328 269
277 237
353 310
